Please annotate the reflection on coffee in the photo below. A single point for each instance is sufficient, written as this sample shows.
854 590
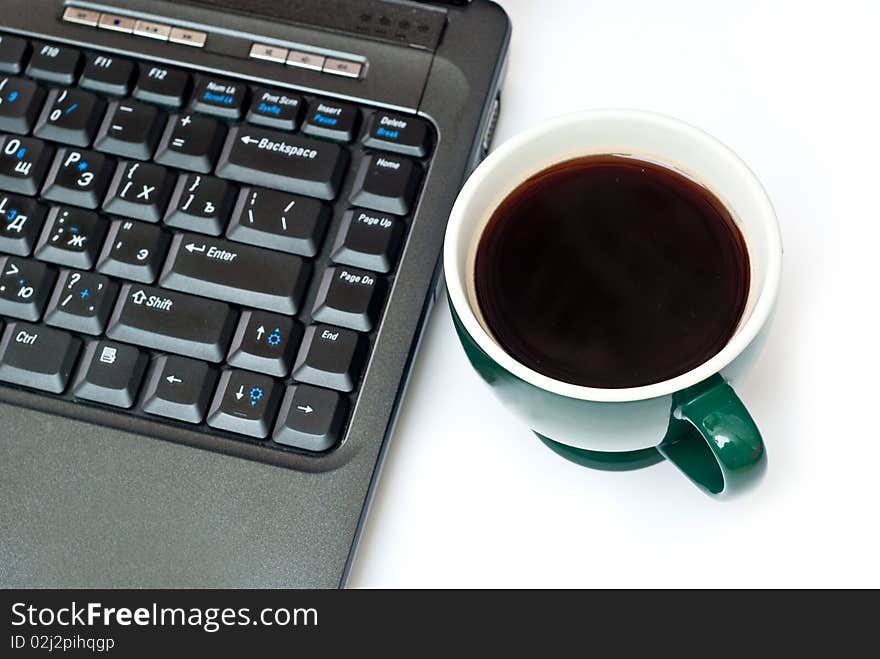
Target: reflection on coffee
608 271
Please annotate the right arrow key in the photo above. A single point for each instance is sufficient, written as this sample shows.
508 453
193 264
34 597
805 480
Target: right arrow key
311 418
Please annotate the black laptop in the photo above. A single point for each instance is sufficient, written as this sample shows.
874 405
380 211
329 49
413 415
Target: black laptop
220 230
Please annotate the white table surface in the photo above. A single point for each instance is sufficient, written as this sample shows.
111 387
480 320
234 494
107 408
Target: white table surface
469 498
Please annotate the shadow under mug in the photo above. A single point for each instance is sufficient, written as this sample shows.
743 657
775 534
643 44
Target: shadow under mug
695 420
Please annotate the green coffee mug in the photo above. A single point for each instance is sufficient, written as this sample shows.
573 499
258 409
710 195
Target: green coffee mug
694 420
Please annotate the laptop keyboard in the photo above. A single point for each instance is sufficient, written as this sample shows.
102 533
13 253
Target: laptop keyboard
194 249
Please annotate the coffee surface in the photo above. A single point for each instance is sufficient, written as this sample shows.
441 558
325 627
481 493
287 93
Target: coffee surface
611 272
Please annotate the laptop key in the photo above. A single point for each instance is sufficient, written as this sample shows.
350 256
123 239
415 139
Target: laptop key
139 190
310 418
330 357
21 219
368 240
245 403
282 161
71 116
110 373
54 64
191 141
23 164
200 203
399 133
81 302
162 85
20 102
220 98
332 120
172 322
25 285
78 177
265 342
37 357
107 74
274 109
350 298
279 220
179 388
71 237
386 183
13 53
236 273
133 250
130 129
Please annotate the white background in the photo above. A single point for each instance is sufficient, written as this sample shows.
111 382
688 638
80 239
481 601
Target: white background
469 498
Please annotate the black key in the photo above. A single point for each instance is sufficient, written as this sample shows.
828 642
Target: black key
25 285
110 373
333 120
274 109
399 133
133 250
200 203
54 64
13 52
245 403
78 177
70 116
386 183
81 302
21 219
330 357
37 357
236 273
279 220
265 342
139 190
282 161
72 237
310 418
172 322
220 98
350 298
368 240
130 129
107 74
179 388
161 85
23 164
20 102
191 142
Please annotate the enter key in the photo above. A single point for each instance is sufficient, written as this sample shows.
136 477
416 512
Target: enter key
237 273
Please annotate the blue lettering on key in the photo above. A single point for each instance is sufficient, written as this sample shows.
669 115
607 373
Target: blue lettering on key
84 294
71 108
83 166
329 121
255 394
12 96
20 153
225 99
266 108
11 215
390 134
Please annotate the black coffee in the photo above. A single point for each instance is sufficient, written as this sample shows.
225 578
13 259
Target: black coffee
612 272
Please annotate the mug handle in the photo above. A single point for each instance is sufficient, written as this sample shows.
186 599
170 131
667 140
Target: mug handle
713 439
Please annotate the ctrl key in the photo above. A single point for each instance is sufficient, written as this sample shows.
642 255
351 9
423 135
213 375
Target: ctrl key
245 403
37 357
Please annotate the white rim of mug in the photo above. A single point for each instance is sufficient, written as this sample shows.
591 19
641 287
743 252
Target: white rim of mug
740 341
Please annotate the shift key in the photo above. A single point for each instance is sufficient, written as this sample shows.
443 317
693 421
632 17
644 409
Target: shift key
237 273
172 322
